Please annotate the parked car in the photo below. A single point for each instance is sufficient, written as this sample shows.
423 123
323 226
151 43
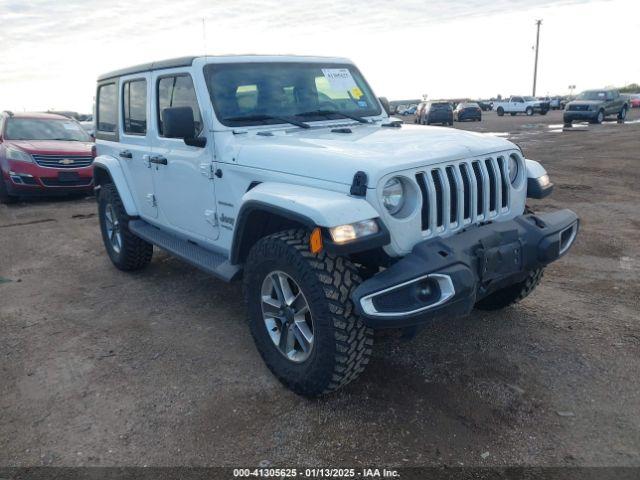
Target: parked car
596 105
557 103
436 112
408 111
634 100
518 104
88 125
467 111
485 105
353 225
43 154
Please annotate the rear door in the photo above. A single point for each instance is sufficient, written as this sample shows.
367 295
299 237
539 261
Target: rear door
183 176
135 141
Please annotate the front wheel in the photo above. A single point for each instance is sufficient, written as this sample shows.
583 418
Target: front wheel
4 193
126 251
623 113
529 111
599 118
301 315
511 294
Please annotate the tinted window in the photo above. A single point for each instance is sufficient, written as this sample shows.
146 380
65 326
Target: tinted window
134 107
178 91
45 129
107 108
253 93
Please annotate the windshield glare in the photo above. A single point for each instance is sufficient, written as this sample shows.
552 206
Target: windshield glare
245 94
44 129
592 95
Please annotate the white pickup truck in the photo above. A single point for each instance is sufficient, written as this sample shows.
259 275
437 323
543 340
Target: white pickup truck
515 105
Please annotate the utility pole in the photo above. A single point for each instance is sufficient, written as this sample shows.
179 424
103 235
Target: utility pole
535 66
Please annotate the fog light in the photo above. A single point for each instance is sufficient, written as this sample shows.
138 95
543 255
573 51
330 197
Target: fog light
427 291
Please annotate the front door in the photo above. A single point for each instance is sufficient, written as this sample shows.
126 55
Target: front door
183 174
135 141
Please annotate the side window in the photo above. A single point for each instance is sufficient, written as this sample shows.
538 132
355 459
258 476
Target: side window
107 107
178 91
134 107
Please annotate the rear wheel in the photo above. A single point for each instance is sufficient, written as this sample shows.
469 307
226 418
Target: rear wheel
529 111
301 315
4 193
126 251
500 111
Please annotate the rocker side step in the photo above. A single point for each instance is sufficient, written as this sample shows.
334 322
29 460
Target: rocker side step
211 262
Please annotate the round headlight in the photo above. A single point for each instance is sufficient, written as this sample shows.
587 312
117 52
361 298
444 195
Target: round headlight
513 168
393 195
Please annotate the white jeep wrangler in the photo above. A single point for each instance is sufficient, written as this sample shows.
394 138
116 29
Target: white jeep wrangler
288 172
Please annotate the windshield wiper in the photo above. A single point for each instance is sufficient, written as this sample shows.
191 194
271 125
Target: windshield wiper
333 112
67 139
259 117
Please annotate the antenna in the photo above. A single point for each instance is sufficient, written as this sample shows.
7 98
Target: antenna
204 35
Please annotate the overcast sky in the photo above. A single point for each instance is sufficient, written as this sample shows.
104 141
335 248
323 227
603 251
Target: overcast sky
52 51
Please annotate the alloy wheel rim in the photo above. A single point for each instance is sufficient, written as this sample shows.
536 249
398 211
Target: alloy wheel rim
287 316
112 225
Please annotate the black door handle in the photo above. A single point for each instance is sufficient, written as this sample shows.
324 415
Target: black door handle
126 154
159 160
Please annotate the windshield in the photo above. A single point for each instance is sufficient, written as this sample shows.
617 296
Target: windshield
245 94
44 129
592 95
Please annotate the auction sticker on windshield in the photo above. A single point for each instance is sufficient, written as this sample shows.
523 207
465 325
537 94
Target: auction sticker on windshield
340 79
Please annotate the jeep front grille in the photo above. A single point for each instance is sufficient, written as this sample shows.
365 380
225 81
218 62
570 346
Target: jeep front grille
63 161
463 193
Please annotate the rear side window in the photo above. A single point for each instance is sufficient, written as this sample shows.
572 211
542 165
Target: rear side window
178 91
134 107
107 107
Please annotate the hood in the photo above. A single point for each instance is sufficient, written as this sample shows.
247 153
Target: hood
586 102
52 147
322 154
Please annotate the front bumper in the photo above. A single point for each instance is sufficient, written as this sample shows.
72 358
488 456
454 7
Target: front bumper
22 178
446 277
578 115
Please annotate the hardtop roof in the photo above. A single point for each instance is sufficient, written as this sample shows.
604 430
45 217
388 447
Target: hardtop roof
188 61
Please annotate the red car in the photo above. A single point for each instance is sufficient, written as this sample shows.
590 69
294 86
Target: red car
635 101
43 154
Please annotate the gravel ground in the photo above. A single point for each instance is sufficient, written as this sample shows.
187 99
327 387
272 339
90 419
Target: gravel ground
102 368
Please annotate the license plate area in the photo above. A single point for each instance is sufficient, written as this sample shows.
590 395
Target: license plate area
68 176
500 261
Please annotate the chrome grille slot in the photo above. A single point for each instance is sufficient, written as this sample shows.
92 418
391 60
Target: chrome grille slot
466 189
477 171
439 186
63 161
504 176
493 190
425 200
463 193
453 195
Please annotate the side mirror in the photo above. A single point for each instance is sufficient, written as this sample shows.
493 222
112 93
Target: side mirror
385 104
178 122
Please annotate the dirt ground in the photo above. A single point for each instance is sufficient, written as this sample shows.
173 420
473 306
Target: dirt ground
99 367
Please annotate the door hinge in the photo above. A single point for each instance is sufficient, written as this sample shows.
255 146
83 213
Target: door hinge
151 198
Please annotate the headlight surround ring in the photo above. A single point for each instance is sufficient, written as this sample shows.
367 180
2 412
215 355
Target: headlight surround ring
513 168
